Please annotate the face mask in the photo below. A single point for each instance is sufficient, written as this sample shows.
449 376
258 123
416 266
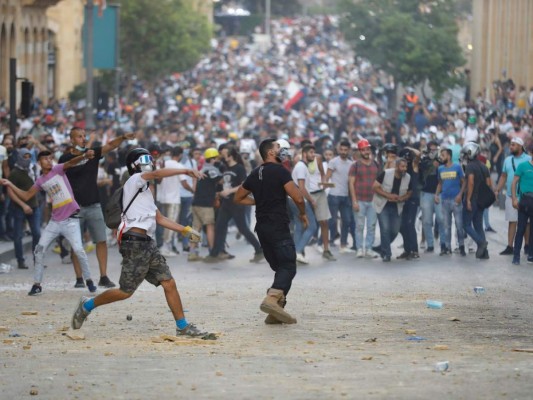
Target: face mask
147 168
167 158
283 155
82 149
24 163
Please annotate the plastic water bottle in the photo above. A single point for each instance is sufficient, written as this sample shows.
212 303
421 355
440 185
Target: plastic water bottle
479 290
442 366
434 304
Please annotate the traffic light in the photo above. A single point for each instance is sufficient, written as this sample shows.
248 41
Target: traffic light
27 98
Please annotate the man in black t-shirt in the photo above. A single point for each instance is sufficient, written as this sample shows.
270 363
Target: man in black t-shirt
232 177
475 173
270 184
83 179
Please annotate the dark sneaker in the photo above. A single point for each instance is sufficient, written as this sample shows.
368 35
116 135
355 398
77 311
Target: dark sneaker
530 260
192 331
481 249
462 251
430 250
257 257
79 283
526 249
414 255
90 285
386 258
403 256
80 314
444 251
507 252
516 260
327 255
485 255
106 282
489 229
22 265
35 289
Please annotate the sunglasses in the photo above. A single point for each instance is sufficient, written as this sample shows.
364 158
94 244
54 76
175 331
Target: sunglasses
145 159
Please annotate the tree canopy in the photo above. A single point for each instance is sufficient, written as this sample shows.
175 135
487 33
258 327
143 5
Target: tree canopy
413 40
160 37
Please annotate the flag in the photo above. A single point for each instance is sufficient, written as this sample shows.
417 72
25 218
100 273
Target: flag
293 94
364 105
102 5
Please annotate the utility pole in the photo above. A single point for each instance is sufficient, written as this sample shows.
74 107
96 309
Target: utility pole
89 117
267 19
13 96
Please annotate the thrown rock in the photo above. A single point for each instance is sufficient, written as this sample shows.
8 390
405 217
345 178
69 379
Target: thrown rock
75 335
29 313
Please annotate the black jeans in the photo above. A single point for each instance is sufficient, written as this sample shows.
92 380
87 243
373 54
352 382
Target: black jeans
407 229
226 212
280 252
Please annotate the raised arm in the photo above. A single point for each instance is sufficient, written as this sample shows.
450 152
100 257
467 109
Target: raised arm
166 172
24 195
88 155
113 144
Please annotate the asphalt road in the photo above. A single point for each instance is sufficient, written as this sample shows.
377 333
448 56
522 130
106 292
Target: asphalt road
363 331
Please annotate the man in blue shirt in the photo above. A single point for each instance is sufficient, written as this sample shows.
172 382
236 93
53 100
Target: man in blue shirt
449 192
517 157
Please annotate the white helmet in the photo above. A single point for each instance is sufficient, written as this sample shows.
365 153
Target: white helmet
470 151
284 144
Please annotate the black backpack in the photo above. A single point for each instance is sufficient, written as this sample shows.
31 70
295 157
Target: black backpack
113 209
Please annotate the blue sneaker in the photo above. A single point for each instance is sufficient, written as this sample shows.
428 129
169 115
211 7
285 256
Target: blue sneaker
90 285
516 260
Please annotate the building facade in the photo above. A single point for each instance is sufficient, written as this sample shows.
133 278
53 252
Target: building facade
502 44
24 35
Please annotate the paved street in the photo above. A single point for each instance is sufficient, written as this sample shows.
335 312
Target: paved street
355 319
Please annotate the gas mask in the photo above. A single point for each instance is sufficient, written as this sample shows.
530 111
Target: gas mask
145 163
283 154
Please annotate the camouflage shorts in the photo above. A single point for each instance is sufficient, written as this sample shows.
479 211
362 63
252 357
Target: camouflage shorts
140 261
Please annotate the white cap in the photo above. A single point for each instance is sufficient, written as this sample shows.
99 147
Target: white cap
324 127
518 141
433 129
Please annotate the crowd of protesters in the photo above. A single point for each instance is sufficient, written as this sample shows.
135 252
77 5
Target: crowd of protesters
360 157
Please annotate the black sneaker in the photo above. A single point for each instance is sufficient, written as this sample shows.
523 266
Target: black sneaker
35 289
444 251
90 285
462 251
430 250
414 255
79 283
507 252
386 258
258 256
403 256
192 331
485 255
530 260
482 249
526 249
489 229
106 282
22 265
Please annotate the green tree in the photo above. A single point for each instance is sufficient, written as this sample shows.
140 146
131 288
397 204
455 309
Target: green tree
160 37
413 40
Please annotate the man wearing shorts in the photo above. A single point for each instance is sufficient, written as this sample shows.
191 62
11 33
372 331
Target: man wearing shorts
83 179
517 157
203 211
141 259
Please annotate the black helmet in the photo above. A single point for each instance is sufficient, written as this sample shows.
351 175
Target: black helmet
390 148
132 156
406 154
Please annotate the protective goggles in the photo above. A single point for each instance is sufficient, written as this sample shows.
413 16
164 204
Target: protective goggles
145 159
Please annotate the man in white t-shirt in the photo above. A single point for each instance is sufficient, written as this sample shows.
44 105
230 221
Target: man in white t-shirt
339 195
169 196
188 186
141 259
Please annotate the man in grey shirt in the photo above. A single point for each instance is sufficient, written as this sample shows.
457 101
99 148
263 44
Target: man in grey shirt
339 194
